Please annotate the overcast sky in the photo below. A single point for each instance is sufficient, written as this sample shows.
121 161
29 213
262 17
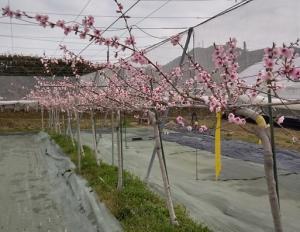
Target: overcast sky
259 23
166 14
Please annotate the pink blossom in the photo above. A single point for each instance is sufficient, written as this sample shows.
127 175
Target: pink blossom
294 139
67 30
18 14
75 27
38 17
203 128
179 119
177 71
97 32
175 39
82 35
107 41
189 128
7 12
237 120
130 41
295 74
60 23
268 63
231 117
286 52
90 21
280 120
267 76
138 57
243 121
120 8
181 124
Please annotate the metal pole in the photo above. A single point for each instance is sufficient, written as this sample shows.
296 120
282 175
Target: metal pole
107 54
78 141
150 164
190 31
112 139
197 164
42 111
271 122
161 144
121 143
125 131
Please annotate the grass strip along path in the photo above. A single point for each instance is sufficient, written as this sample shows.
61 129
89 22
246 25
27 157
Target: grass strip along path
136 207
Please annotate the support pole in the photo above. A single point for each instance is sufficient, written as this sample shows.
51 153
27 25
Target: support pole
94 135
150 165
125 130
166 184
197 178
69 127
42 112
78 141
120 158
49 119
271 122
112 139
161 144
58 122
190 31
63 123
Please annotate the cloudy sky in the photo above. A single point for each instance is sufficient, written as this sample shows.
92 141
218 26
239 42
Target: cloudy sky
157 18
259 23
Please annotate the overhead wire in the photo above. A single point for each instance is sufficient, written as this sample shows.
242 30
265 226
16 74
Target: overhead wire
111 28
116 16
11 31
231 8
147 16
132 6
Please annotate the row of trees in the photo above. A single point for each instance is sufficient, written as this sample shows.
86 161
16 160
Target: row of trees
22 65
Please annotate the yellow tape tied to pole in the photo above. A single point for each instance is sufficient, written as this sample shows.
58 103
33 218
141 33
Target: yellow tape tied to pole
260 121
218 161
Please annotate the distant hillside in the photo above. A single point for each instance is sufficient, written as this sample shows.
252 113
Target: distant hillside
204 57
16 87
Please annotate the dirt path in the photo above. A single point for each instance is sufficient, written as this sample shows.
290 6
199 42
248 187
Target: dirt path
24 193
36 195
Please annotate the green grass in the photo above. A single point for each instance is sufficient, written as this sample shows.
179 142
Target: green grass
136 207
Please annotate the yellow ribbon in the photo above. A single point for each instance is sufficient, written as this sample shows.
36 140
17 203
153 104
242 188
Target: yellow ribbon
218 161
260 121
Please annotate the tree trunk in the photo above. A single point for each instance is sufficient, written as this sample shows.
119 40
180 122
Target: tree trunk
105 118
42 112
261 132
162 166
49 119
63 123
120 155
269 172
69 127
58 122
112 139
78 141
94 135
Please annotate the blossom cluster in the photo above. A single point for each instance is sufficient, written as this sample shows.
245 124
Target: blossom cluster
236 120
